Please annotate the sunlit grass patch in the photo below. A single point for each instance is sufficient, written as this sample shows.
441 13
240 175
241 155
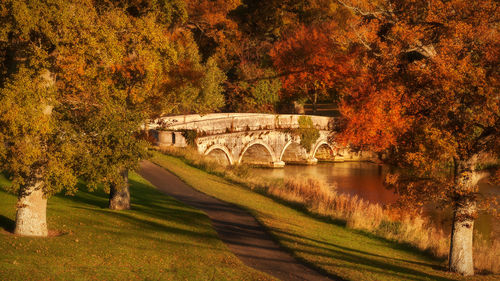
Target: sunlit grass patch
159 239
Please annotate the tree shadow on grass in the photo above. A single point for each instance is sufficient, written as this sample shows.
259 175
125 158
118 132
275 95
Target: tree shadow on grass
400 246
96 198
150 226
7 224
150 201
146 201
355 257
140 193
396 245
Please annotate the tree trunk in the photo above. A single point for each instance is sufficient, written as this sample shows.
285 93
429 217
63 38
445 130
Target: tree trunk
315 100
119 196
461 259
31 219
466 179
146 130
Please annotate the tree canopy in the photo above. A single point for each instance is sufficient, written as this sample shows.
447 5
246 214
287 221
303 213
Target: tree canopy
426 89
80 77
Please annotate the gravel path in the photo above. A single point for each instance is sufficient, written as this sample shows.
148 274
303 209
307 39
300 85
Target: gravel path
244 236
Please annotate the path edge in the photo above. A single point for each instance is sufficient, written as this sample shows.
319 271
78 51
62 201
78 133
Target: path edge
249 211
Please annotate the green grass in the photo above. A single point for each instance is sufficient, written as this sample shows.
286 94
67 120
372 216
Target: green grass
159 239
328 246
3 180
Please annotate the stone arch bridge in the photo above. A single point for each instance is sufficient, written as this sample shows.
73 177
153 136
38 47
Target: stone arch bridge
258 139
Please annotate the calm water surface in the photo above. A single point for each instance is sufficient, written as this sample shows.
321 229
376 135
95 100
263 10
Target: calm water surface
356 178
366 181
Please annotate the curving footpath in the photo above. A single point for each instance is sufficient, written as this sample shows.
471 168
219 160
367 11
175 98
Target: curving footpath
244 236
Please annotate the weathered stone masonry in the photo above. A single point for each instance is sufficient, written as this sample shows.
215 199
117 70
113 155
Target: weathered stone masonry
263 139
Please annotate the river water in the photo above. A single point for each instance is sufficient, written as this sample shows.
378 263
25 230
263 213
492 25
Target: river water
365 180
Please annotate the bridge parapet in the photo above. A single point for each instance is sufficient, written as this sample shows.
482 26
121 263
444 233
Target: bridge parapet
254 138
219 123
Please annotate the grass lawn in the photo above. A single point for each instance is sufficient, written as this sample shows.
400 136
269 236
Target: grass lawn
326 245
159 239
3 181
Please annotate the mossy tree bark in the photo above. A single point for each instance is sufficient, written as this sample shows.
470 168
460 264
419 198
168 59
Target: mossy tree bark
119 196
31 211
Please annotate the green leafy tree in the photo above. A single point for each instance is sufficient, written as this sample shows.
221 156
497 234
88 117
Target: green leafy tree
307 132
255 89
80 77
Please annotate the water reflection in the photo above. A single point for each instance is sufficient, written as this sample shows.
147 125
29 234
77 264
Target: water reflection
354 178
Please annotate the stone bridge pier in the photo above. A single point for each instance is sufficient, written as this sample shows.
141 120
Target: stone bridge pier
265 148
255 139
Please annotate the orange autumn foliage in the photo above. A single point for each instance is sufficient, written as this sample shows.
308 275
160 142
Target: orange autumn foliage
419 81
311 60
210 16
427 92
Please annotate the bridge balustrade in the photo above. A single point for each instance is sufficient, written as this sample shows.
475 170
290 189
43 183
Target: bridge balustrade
264 139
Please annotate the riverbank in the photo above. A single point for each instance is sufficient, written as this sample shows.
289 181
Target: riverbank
324 243
366 181
159 239
317 199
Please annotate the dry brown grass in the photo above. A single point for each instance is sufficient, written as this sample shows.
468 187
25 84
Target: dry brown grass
323 199
360 214
487 255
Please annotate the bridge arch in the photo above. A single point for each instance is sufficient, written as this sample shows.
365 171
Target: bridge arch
320 144
220 148
293 152
256 144
284 149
